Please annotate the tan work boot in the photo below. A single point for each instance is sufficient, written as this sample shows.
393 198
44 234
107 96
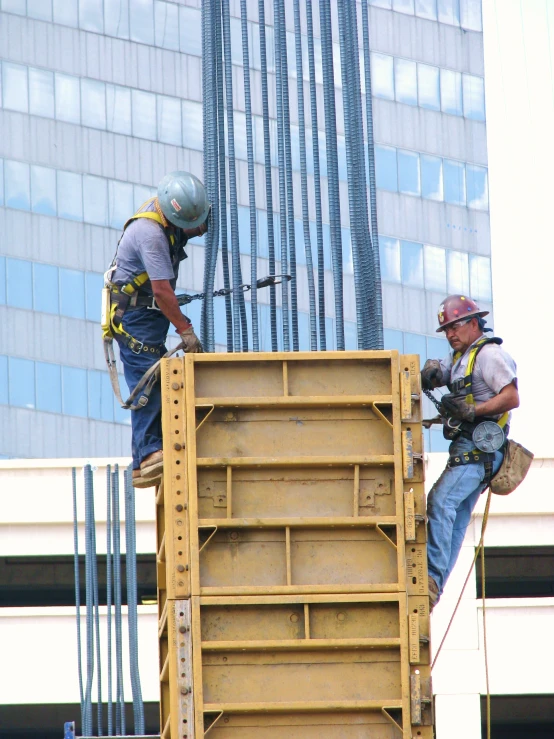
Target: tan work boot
140 482
152 466
433 593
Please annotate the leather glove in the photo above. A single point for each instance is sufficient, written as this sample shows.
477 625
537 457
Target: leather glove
431 374
454 406
191 342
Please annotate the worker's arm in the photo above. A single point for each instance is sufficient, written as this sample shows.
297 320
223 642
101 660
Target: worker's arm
506 400
167 302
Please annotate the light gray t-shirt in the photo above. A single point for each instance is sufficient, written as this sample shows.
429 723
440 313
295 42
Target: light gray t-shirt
493 370
144 247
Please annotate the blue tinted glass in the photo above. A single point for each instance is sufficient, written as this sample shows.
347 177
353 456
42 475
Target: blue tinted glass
43 190
244 229
41 92
471 15
412 263
454 182
121 199
2 280
480 277
72 293
426 9
458 273
263 239
95 198
415 344
93 284
299 242
330 333
118 107
166 16
100 396
169 120
477 187
49 387
449 11
403 6
431 177
144 114
438 442
304 331
21 382
91 15
405 81
428 86
1 182
408 172
70 195
116 18
385 168
14 6
474 97
277 235
142 21
435 268
347 263
381 3
437 348
350 335
327 246
193 132
382 76
451 92
19 283
74 391
68 98
3 380
66 12
393 340
220 321
341 152
264 326
93 103
45 288
18 191
190 21
120 415
389 255
15 91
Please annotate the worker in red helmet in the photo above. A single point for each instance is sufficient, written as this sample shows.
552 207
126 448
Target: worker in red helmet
482 382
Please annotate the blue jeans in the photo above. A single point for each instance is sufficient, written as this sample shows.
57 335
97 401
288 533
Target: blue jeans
450 504
150 327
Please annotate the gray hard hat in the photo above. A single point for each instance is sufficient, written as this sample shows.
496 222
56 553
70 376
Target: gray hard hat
183 199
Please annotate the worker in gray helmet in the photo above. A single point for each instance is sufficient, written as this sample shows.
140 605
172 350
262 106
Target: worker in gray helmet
142 281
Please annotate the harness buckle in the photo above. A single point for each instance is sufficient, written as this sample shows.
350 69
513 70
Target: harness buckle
153 305
135 346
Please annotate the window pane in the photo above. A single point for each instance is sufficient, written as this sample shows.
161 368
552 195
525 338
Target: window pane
72 293
304 332
74 391
19 283
68 98
436 348
471 15
405 79
3 380
144 115
43 190
118 104
14 6
393 340
347 263
2 280
66 12
477 187
1 182
169 120
18 194
93 102
14 86
21 382
385 168
426 9
480 276
121 202
451 92
41 92
381 3
70 195
142 21
412 263
166 17
382 76
474 97
100 396
190 31
449 12
95 197
116 18
94 283
90 15
458 273
428 86
403 6
431 177
389 255
350 336
435 268
416 344
49 387
193 134
408 172
40 9
46 288
454 182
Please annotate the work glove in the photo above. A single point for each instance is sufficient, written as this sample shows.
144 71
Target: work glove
191 342
455 406
431 374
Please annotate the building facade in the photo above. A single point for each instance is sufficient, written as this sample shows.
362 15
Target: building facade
100 98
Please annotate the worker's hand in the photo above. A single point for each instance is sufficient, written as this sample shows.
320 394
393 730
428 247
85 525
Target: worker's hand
191 342
431 374
454 406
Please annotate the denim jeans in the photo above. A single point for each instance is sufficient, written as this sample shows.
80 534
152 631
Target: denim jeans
150 327
449 507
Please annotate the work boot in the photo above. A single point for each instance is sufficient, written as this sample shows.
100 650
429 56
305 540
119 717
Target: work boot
140 482
152 466
433 593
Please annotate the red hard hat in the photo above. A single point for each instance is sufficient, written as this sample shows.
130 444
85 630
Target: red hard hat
456 307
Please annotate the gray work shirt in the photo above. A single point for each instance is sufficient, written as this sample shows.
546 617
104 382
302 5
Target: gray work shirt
144 247
493 370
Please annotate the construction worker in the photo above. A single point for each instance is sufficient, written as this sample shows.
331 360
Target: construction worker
142 282
481 378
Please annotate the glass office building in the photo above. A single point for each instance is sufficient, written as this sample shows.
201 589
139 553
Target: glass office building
100 98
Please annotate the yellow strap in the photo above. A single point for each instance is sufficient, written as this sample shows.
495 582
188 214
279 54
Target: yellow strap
134 285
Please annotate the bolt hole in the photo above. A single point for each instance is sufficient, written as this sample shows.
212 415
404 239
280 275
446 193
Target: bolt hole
177 461
176 418
175 402
174 372
415 610
179 537
176 431
182 614
180 553
413 550
414 580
